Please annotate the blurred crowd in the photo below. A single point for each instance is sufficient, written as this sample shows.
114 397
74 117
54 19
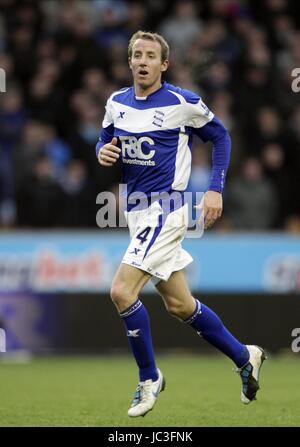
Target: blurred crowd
63 59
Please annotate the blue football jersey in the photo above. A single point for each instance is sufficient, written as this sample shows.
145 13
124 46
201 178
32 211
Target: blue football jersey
155 136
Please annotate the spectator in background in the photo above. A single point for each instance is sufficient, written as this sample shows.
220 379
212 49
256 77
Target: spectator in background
113 15
273 159
251 199
182 75
57 150
39 140
182 27
136 17
218 78
121 73
254 92
271 129
79 203
295 125
40 197
222 102
95 83
12 119
44 99
64 57
20 45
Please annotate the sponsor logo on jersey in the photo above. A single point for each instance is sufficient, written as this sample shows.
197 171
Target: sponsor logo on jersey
137 151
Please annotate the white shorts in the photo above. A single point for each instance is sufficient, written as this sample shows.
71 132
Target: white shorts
156 238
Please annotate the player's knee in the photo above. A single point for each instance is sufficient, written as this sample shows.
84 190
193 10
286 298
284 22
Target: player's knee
119 295
180 308
177 309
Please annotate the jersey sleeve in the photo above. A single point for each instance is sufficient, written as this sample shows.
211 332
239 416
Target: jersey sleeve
197 114
107 130
215 132
208 127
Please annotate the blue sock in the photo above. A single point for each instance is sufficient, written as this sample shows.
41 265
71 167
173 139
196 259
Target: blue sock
211 328
137 323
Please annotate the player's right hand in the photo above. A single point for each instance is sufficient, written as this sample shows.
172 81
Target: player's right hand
109 153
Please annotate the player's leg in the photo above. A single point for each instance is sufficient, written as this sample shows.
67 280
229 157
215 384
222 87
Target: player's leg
176 296
125 289
181 304
127 283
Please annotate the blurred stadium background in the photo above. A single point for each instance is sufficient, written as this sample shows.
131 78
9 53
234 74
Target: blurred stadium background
62 59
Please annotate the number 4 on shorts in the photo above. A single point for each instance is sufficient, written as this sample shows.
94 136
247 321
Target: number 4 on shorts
142 236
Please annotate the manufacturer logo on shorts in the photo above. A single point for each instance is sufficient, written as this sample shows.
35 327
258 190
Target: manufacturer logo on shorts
135 251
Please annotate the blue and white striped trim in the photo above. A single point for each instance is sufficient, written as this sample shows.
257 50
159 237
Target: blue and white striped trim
132 309
156 233
197 311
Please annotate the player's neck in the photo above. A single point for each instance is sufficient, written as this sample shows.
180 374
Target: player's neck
141 92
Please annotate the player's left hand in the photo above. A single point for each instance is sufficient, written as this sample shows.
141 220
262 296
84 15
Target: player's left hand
212 207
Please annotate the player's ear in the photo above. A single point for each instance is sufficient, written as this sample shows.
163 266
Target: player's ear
129 63
165 65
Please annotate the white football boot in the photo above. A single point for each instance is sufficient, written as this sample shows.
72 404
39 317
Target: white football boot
250 373
145 396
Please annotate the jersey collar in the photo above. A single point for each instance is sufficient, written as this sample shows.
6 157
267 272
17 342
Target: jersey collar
143 98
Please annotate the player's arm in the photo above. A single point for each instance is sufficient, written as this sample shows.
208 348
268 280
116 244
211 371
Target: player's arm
106 148
209 128
215 132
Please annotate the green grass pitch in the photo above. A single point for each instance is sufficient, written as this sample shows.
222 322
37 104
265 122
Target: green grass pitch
96 392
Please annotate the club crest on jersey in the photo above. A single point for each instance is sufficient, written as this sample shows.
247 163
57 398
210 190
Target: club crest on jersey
158 118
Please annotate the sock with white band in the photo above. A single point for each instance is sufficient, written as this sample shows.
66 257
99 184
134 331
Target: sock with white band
137 323
211 328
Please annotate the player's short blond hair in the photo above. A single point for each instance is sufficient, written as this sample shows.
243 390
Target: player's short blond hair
150 36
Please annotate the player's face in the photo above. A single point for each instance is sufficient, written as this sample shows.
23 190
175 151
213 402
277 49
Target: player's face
146 64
